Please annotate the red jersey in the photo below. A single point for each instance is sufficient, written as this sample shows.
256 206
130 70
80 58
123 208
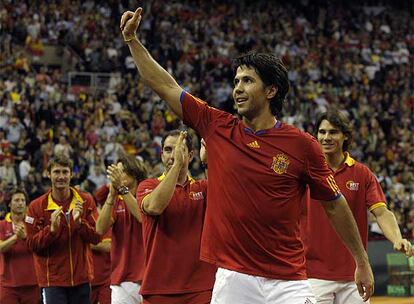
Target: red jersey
172 242
102 264
16 264
127 254
363 192
62 258
257 181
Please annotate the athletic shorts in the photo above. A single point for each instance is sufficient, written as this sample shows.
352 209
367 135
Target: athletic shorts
336 292
126 293
240 288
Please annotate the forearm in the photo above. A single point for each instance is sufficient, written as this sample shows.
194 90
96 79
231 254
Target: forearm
104 221
156 202
132 205
389 226
342 220
155 76
6 244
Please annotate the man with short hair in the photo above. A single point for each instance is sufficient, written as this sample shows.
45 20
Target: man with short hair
60 228
173 207
18 284
258 171
331 272
120 211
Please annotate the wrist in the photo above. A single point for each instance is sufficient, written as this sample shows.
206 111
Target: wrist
129 38
123 190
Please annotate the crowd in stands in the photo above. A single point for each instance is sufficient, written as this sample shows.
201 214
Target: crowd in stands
355 56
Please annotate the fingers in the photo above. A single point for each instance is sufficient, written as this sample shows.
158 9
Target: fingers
137 14
407 248
369 291
360 289
125 17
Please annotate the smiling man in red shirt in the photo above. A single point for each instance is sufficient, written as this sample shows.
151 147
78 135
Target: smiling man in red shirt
331 272
258 171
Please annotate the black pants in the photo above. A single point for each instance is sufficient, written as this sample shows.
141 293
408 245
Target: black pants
79 294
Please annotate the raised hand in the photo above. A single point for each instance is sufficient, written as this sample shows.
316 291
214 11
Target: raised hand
129 23
180 149
55 219
77 211
115 174
20 231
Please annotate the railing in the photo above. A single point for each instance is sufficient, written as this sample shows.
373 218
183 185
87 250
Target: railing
93 81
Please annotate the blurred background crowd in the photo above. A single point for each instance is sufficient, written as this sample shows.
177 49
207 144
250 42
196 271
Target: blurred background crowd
354 55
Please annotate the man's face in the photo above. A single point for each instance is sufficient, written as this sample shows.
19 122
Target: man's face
60 177
249 93
18 203
330 138
167 155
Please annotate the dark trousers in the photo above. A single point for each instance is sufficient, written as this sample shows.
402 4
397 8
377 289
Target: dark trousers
79 294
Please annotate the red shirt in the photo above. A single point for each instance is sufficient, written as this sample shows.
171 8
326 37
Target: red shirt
172 242
16 264
327 257
257 181
102 264
127 253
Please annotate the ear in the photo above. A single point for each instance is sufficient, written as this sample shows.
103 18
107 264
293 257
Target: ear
271 91
190 156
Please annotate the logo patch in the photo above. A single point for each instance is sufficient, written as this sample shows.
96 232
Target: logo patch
280 163
353 186
29 219
196 196
254 145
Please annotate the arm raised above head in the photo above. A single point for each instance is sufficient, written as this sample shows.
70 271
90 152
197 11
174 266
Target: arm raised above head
151 72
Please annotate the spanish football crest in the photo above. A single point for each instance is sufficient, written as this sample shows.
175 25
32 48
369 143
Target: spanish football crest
280 163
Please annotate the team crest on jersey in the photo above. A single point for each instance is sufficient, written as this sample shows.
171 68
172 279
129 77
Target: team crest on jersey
353 186
280 163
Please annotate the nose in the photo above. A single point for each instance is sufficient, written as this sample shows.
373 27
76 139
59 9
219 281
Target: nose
238 88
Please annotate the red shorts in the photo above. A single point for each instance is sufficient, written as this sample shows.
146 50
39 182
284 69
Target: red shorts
101 293
202 297
23 295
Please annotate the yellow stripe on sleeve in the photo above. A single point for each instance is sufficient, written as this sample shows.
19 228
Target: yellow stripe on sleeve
376 205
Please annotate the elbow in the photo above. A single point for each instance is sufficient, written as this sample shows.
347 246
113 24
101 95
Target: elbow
152 208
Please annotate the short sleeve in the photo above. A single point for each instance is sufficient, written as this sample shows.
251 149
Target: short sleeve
197 114
145 188
321 182
374 195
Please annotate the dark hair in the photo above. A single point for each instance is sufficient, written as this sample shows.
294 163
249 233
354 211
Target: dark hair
62 160
16 191
338 120
174 133
271 71
134 167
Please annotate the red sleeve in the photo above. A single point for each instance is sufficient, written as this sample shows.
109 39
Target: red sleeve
197 114
374 193
101 194
88 222
145 188
322 184
38 233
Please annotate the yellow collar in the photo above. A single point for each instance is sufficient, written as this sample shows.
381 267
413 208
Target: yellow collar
349 160
190 179
8 217
52 205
